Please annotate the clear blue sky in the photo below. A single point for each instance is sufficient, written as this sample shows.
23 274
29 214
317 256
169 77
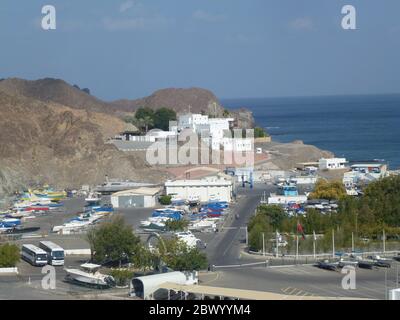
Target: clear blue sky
236 48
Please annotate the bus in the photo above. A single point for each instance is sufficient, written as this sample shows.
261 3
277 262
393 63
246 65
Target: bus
34 255
55 254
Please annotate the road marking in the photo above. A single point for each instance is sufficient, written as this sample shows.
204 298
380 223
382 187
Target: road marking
212 280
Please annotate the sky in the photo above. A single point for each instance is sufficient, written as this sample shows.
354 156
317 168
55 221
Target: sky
235 48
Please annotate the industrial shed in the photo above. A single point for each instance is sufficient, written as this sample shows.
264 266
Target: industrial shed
208 189
135 198
145 287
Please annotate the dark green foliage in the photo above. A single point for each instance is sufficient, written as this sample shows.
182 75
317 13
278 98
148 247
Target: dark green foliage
365 217
162 117
9 255
165 200
121 276
112 241
176 225
260 133
142 113
178 256
275 213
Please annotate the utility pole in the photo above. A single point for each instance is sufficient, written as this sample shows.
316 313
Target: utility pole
352 242
314 239
297 248
333 243
386 284
263 242
384 241
247 236
277 243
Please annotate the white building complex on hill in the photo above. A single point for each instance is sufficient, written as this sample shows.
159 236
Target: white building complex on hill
214 131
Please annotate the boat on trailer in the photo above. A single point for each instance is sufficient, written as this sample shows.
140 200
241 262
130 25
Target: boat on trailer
89 275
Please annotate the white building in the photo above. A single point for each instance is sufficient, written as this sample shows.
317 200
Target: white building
213 130
364 173
208 189
218 126
135 198
196 122
332 163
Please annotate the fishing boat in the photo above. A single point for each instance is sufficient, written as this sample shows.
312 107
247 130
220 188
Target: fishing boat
93 198
89 275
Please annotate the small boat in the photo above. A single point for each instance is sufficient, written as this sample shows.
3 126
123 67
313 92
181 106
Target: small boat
344 263
366 264
89 275
93 198
325 264
381 262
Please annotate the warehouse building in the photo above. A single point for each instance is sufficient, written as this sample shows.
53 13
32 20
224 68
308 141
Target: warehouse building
208 189
135 198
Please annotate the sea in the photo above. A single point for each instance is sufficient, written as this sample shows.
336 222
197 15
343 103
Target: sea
359 128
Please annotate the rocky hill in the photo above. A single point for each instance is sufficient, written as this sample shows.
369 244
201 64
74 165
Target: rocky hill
59 91
43 143
195 100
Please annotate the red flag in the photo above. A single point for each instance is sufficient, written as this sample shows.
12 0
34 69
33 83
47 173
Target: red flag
300 230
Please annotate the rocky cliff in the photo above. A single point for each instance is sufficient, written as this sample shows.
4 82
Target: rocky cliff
40 145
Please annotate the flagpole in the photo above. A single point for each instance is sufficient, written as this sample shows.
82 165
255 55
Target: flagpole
314 244
384 241
263 241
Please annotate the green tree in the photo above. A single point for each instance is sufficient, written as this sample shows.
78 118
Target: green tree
144 259
162 117
226 113
9 255
144 112
258 225
328 190
275 213
179 256
112 241
176 225
260 133
165 200
121 276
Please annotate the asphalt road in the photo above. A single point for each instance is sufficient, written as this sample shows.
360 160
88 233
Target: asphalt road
224 249
305 280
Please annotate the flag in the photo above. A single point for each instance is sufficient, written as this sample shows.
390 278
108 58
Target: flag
300 230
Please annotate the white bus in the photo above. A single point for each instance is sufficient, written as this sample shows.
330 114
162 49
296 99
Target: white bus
55 254
34 255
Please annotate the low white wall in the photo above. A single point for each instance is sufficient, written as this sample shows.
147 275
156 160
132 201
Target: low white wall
77 252
8 270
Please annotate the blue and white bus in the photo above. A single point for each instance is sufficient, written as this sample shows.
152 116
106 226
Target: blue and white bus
34 255
55 254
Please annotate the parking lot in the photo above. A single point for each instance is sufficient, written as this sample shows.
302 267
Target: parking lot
306 280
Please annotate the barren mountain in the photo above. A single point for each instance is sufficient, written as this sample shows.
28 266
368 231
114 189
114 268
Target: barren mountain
56 90
195 100
39 145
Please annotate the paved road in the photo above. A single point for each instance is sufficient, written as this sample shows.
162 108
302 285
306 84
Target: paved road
304 280
225 246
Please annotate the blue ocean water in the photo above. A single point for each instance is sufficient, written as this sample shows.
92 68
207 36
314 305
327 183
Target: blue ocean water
356 127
